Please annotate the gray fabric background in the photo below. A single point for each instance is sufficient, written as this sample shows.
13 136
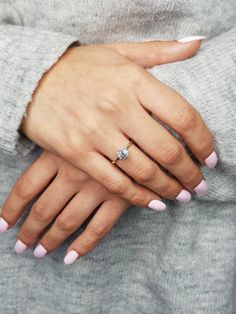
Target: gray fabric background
178 261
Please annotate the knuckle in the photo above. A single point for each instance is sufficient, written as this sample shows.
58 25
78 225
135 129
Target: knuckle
186 119
146 173
40 213
65 223
110 101
23 190
169 191
193 178
117 186
138 199
50 241
99 230
171 154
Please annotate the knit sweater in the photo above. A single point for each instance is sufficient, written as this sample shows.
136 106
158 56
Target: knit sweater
178 261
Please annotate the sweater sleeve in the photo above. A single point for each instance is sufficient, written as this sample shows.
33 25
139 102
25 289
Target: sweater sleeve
208 82
25 55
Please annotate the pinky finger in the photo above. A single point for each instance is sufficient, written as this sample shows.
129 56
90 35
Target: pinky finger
99 226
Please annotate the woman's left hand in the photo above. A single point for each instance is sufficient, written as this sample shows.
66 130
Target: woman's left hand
69 197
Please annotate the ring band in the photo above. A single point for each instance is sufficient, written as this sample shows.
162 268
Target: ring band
123 153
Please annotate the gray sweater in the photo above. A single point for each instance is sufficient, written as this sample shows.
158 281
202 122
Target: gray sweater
179 261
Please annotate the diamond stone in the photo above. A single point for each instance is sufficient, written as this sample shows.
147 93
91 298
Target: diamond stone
122 153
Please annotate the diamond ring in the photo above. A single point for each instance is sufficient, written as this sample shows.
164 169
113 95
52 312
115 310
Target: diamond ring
123 153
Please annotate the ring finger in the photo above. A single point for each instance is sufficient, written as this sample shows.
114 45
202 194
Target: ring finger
165 149
145 171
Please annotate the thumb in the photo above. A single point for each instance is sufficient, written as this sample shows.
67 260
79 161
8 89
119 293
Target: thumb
151 53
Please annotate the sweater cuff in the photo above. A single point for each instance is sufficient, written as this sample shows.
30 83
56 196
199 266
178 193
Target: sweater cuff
25 55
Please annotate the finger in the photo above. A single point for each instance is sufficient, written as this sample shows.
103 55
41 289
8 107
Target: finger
69 220
176 112
151 53
30 184
143 169
99 226
43 212
158 143
118 183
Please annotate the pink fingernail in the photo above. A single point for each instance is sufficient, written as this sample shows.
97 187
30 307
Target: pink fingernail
3 225
211 160
157 205
71 257
20 247
202 188
40 251
190 38
184 197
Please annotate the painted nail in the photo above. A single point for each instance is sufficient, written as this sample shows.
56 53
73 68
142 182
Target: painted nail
184 197
3 225
71 257
211 160
40 251
157 205
20 247
190 38
202 188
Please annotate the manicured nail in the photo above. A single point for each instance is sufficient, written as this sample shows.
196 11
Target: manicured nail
3 225
71 257
211 160
184 197
157 205
20 247
190 38
40 251
202 188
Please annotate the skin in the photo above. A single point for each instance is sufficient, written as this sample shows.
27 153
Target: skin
86 128
69 197
68 194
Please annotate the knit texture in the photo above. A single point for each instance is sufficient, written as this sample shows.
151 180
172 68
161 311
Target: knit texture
180 261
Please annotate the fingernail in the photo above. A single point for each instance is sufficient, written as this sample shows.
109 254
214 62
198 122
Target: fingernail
184 197
20 247
211 160
157 205
71 257
190 38
3 225
202 188
40 251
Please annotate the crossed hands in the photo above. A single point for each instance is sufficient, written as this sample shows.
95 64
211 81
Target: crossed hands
87 106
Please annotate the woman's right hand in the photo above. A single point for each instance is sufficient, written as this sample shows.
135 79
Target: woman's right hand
96 98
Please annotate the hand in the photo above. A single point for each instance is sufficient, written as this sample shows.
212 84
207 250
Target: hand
69 197
97 97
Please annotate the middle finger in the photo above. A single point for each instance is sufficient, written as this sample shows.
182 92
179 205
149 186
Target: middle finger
164 148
